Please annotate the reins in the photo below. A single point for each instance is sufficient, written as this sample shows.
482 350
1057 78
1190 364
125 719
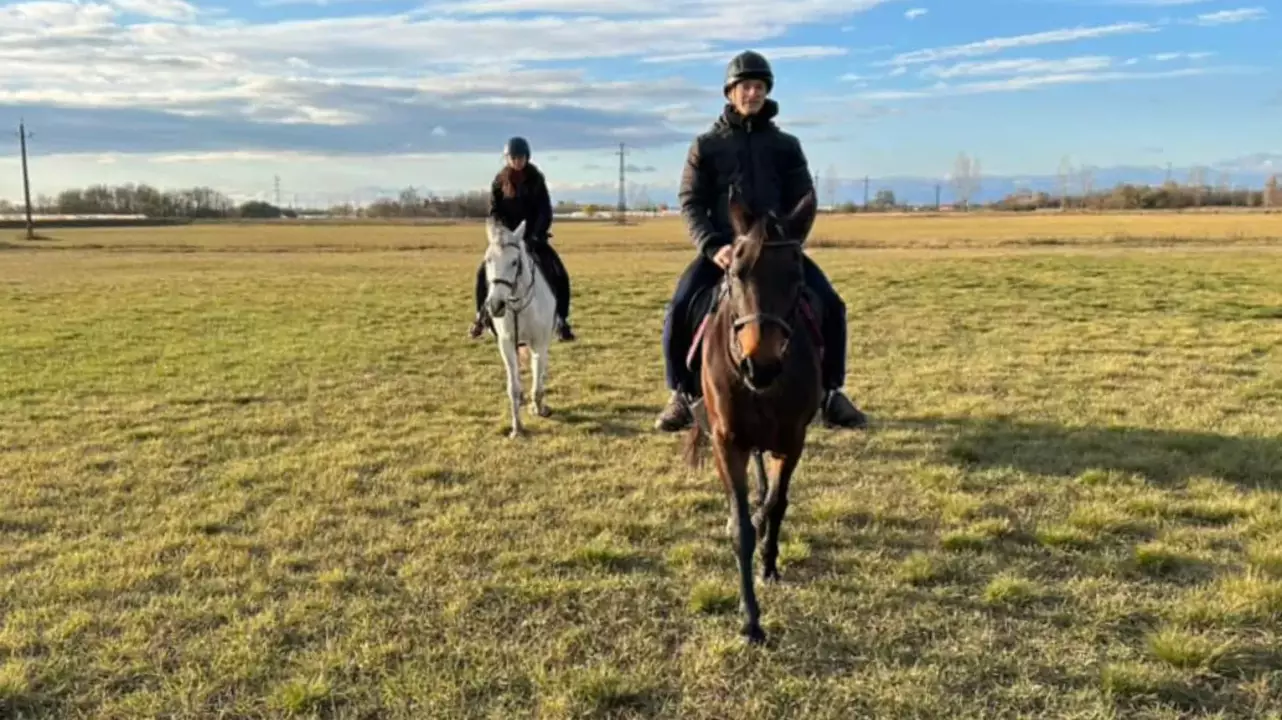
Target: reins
512 285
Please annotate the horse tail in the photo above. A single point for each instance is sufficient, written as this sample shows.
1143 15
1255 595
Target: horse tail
695 442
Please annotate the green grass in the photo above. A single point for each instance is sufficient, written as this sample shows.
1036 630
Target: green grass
278 484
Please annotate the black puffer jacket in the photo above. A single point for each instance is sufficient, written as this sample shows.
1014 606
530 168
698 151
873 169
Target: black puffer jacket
522 195
767 164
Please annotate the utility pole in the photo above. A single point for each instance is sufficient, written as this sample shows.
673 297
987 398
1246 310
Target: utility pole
938 188
26 178
623 201
276 184
866 181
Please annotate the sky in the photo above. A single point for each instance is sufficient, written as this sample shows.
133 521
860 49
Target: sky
347 100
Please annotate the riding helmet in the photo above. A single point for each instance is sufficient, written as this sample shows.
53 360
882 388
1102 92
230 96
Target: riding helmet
748 65
517 147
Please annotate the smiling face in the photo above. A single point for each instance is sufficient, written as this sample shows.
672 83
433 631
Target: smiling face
748 96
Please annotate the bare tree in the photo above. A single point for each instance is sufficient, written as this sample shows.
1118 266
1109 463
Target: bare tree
1197 181
1065 178
965 179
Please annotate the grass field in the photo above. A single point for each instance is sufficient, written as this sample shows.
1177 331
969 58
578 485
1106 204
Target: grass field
256 484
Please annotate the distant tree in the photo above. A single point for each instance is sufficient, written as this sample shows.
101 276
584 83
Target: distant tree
259 210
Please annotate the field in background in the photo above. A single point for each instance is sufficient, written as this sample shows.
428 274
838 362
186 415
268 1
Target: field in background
869 231
273 483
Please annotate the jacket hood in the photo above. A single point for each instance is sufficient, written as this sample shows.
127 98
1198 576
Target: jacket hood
731 117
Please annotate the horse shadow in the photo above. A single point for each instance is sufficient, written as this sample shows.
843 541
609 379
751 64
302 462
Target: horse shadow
1165 457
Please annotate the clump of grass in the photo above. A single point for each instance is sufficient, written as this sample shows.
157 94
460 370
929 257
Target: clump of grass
1011 590
978 535
1104 518
920 568
605 692
1130 682
301 695
604 552
1184 650
713 598
1159 559
1065 536
1266 559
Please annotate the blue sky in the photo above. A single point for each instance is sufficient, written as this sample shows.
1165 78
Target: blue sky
348 99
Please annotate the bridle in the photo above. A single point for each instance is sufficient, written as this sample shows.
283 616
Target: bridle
513 284
766 318
783 322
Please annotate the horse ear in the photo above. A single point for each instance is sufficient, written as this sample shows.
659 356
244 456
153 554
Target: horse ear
739 221
797 224
519 232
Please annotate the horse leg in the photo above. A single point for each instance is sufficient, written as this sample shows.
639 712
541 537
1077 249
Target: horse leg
507 347
769 518
539 371
732 465
762 480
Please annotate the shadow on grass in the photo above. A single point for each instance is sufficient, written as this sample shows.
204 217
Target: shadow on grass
1161 456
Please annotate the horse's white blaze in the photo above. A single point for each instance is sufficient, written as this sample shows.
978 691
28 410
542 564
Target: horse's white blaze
523 307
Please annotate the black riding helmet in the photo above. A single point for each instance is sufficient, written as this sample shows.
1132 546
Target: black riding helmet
748 65
517 147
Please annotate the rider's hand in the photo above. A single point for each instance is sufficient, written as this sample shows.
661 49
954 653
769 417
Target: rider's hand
723 257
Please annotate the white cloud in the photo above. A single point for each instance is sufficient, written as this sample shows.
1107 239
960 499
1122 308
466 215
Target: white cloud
1229 17
1171 56
233 80
1026 82
915 13
1019 66
161 9
789 52
998 44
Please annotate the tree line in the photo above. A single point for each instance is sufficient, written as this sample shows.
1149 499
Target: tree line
207 203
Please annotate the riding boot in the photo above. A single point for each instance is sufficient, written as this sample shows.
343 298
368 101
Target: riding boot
840 411
676 415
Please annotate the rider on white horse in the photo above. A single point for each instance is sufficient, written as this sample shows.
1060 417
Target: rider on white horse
519 194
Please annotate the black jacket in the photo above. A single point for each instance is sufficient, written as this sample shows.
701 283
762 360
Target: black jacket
531 202
766 162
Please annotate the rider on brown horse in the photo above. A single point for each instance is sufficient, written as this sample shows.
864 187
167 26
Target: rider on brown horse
745 147
519 194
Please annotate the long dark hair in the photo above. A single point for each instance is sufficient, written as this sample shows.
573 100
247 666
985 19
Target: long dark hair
510 177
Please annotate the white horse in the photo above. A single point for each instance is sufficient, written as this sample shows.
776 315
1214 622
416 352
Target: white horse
523 307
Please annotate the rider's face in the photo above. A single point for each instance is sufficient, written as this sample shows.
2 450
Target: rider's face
517 163
748 96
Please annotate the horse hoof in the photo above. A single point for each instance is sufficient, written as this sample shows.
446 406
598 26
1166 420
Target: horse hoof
544 412
771 576
515 435
753 635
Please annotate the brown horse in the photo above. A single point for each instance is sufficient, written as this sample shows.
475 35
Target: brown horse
761 383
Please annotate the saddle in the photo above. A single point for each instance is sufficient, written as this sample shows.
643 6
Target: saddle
704 306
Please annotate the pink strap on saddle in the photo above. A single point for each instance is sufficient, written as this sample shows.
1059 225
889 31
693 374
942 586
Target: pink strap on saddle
809 314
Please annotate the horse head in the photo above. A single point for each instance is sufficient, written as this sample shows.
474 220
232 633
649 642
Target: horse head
505 264
765 281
